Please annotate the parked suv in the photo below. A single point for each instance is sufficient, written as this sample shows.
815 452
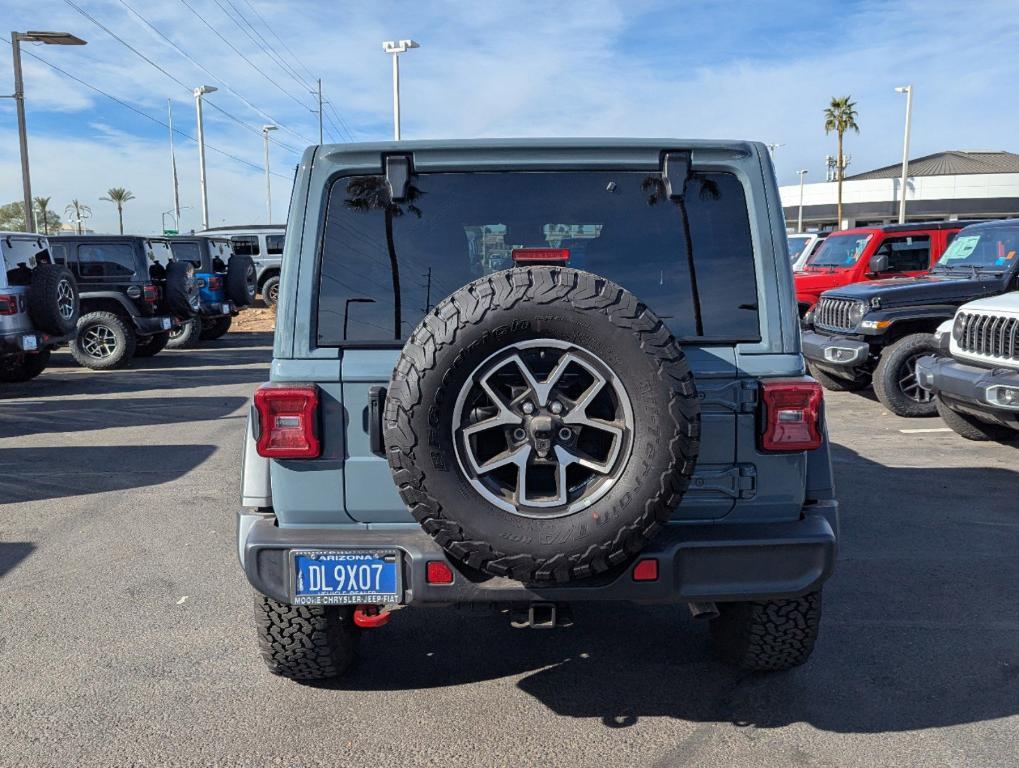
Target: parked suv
847 257
226 283
877 331
132 295
975 375
264 244
802 246
38 305
527 373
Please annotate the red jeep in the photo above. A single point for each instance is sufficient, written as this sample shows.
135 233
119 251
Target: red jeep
848 256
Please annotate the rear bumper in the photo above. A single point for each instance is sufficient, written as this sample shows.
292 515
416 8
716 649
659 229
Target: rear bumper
30 341
976 387
704 562
146 326
217 308
836 352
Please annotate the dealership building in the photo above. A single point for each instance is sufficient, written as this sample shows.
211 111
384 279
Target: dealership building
977 184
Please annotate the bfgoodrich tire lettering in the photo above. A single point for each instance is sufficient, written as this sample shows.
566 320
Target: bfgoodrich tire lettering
305 642
514 307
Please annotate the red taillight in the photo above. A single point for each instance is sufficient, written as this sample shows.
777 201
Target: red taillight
792 415
646 570
437 572
541 255
287 419
8 305
215 283
150 293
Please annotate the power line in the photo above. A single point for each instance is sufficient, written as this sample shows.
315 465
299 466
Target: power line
218 79
261 42
280 39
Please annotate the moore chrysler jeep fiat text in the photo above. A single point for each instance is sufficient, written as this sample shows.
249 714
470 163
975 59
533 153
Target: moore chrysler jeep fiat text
528 373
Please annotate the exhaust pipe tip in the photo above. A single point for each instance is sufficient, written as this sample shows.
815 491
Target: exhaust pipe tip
703 611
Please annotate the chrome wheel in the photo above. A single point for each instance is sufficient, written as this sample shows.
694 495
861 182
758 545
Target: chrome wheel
542 428
910 385
65 300
274 293
99 341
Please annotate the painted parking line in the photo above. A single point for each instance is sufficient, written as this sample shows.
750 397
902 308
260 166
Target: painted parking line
921 431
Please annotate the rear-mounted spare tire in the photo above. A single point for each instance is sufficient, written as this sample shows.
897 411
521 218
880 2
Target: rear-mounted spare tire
182 289
541 424
241 281
53 299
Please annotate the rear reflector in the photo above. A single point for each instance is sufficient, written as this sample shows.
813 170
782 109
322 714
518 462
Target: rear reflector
646 570
215 283
287 422
8 305
151 294
541 255
792 415
437 572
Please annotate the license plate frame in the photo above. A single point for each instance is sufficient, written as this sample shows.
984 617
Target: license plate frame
348 556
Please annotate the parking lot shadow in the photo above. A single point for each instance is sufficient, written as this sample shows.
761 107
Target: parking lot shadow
12 553
31 474
19 419
920 627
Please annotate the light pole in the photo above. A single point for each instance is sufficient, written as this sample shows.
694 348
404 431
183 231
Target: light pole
799 221
49 38
396 48
268 188
772 148
908 90
199 92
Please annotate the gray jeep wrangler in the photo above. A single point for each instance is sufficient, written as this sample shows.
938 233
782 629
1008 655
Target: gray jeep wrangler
523 374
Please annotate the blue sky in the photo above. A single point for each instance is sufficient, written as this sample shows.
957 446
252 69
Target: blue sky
757 70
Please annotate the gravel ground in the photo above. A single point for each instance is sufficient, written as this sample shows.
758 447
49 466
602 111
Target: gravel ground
125 621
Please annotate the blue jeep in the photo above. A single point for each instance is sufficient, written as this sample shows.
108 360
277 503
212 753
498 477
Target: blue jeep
528 373
226 283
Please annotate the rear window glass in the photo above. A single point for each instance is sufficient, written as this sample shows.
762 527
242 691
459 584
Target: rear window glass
107 260
187 252
385 264
274 244
245 245
839 251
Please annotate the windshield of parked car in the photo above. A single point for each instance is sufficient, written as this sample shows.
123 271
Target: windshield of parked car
985 248
386 263
796 245
840 251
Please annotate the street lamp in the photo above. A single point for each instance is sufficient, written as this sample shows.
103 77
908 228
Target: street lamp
908 90
49 38
396 48
268 189
199 92
799 222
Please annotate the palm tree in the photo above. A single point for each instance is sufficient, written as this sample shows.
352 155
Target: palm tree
79 211
118 195
840 116
42 204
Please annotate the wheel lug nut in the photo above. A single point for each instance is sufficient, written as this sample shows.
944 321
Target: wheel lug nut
528 408
565 434
519 434
556 407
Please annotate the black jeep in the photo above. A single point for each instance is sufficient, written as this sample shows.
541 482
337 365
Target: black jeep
132 294
877 331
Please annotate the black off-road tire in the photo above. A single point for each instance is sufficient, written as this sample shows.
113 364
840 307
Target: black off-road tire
186 335
182 289
216 327
271 291
835 383
768 635
305 642
123 337
53 287
973 428
150 346
891 369
514 306
23 366
241 281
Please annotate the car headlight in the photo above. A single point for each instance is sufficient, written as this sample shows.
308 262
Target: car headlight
959 327
856 313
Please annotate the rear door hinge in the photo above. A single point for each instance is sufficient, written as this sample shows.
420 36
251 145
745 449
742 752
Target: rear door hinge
737 482
737 396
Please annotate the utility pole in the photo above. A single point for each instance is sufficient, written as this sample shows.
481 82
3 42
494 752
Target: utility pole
268 187
320 141
908 90
199 92
395 49
173 168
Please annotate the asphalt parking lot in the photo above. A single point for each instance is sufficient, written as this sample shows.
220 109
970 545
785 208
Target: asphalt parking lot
126 638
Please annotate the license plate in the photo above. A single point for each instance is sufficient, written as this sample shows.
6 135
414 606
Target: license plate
346 577
29 343
167 323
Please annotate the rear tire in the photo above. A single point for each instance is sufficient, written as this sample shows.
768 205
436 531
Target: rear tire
104 341
895 382
271 291
53 299
768 635
971 427
836 383
305 642
241 280
213 329
149 346
23 366
186 335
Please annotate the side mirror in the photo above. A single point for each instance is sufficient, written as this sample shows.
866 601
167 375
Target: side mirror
878 263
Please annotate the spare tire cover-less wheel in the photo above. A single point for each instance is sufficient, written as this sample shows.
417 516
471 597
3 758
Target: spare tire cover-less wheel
241 281
53 299
541 424
182 289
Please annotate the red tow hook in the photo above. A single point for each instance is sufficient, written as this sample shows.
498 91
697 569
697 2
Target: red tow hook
370 617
